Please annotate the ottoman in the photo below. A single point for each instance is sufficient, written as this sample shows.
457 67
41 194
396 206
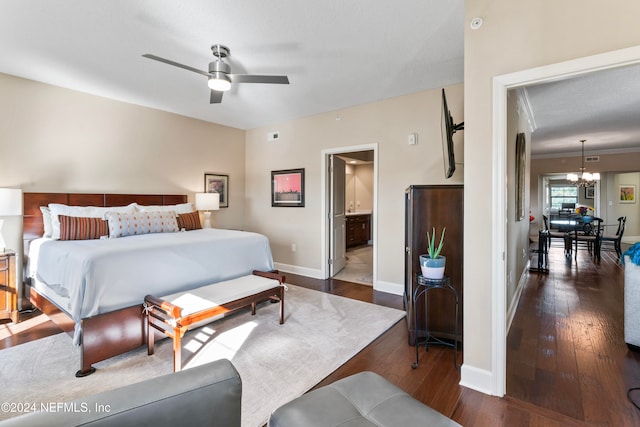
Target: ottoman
360 400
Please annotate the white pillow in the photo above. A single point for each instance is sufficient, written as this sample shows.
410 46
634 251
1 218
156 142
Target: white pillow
81 211
123 224
182 208
46 221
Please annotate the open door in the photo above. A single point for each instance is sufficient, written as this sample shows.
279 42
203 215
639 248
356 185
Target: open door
337 219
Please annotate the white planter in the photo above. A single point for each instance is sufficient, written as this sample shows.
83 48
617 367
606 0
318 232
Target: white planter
432 268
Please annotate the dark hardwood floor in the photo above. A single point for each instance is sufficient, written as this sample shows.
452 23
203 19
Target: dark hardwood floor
566 350
567 361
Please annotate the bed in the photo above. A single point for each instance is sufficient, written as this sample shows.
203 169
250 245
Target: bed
94 289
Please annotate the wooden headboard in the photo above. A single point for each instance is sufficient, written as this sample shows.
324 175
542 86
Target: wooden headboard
32 219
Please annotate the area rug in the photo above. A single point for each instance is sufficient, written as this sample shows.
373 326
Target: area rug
277 363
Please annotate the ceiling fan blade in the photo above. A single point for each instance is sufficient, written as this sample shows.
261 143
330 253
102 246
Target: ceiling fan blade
215 97
176 64
254 78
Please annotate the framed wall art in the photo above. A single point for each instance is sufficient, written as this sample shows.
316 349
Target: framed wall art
589 192
521 164
215 183
627 193
287 188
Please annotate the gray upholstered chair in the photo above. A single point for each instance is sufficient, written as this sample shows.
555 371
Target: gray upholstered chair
363 399
204 395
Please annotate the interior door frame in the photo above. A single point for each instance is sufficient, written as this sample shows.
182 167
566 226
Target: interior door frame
324 190
501 84
333 204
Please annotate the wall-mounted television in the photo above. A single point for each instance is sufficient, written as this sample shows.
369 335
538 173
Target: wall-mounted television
448 128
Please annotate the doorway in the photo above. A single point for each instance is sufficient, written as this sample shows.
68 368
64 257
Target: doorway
351 214
500 87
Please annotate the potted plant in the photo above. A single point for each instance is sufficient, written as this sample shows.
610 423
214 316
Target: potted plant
432 263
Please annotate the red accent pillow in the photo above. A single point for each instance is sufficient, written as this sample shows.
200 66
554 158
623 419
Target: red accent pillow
82 228
189 221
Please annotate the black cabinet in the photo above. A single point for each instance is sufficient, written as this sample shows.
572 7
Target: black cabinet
428 206
358 230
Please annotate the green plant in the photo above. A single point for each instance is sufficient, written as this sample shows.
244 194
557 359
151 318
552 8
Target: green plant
431 241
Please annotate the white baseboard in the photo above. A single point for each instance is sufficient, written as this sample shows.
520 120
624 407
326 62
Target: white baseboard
391 288
477 379
388 287
303 271
513 305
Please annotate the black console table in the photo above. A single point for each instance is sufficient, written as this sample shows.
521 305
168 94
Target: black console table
424 287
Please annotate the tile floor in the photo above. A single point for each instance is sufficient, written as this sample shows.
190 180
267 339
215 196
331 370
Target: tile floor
359 267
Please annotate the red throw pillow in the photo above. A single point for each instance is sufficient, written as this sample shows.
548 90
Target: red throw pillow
82 228
189 221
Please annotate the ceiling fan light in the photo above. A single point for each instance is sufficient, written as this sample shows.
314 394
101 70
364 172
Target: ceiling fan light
220 82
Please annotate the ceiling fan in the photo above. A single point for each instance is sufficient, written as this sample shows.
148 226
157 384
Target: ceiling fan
219 74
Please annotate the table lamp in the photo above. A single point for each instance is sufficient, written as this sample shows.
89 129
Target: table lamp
207 202
10 205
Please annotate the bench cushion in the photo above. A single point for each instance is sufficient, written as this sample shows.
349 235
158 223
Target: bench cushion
217 294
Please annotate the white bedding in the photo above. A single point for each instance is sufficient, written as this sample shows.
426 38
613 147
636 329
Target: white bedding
90 277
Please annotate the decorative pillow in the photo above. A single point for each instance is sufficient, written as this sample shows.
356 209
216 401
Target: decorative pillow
82 228
123 224
179 209
81 211
189 221
46 221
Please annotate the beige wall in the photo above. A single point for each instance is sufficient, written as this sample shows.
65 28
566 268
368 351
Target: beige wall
517 255
609 166
58 140
516 35
362 182
612 206
387 123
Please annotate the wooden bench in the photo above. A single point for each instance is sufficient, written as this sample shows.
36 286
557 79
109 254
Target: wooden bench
174 314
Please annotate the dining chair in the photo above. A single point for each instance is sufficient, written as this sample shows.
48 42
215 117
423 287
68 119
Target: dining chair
617 239
587 235
552 234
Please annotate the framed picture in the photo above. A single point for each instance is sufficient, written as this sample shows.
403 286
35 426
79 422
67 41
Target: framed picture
589 192
521 164
627 193
287 188
214 183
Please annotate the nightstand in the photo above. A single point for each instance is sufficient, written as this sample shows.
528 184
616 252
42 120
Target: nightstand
8 291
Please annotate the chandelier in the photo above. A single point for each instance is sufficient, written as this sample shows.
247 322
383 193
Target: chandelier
583 179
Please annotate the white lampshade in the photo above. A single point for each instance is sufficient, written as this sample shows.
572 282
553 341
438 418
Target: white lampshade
207 201
10 205
10 202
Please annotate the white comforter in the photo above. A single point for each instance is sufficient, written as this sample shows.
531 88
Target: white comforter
90 277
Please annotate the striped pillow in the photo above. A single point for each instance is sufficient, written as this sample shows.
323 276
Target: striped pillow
82 228
189 221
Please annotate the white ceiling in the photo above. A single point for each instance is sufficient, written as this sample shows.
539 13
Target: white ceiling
601 107
336 53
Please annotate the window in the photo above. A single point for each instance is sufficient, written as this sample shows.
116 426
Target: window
563 194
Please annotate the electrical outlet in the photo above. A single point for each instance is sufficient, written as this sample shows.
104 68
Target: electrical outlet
294 247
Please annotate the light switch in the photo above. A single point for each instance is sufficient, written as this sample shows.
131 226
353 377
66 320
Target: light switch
413 138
